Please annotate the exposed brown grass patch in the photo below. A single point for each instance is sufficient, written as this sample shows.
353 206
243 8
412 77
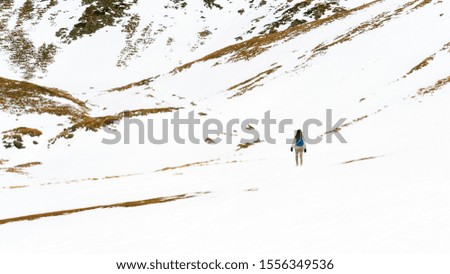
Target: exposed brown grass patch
114 177
247 144
198 164
88 179
428 60
152 201
24 97
436 86
32 132
251 83
27 165
446 47
202 163
422 4
143 82
421 65
15 170
96 123
20 169
360 159
347 124
17 187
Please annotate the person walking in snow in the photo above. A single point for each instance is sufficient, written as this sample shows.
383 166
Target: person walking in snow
299 146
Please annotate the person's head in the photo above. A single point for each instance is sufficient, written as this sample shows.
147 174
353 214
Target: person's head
299 134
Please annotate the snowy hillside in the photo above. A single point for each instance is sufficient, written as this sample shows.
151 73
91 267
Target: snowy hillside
133 38
382 65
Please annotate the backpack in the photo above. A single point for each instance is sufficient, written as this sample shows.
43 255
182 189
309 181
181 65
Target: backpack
299 142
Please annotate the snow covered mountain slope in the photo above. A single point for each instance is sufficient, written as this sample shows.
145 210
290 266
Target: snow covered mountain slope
382 65
132 38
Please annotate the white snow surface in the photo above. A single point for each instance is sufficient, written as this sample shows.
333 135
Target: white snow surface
383 191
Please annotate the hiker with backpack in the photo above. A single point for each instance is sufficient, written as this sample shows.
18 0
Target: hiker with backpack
299 146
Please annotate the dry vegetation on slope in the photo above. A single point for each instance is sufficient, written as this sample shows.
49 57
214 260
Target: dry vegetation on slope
19 97
158 200
445 49
253 47
95 123
14 137
32 132
136 84
251 83
365 27
436 86
20 169
203 163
